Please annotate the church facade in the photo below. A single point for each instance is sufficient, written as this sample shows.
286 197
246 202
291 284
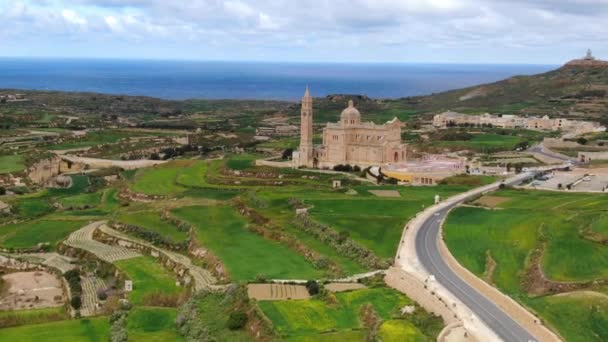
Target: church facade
349 141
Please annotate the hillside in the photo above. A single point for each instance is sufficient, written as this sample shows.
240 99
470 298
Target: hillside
574 90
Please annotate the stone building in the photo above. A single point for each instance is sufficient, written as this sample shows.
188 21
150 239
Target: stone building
349 141
544 123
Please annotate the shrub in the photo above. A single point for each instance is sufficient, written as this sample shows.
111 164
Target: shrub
102 295
313 287
76 302
237 320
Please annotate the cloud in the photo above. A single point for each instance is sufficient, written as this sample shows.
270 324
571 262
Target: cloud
73 18
338 30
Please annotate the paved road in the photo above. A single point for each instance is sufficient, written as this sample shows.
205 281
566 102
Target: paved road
542 150
430 257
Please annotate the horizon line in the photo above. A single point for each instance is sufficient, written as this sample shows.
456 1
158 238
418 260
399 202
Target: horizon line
266 61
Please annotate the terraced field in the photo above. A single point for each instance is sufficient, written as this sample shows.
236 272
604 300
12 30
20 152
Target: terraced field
82 330
222 230
556 224
309 319
11 163
152 221
30 233
149 278
153 324
83 239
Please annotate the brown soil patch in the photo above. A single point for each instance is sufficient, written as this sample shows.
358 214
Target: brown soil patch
31 290
339 287
277 291
385 193
491 201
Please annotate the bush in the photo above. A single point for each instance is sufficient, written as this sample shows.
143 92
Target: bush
76 302
313 287
102 295
237 320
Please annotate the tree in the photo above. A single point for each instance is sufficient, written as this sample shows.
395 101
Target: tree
313 287
582 141
237 320
76 302
287 153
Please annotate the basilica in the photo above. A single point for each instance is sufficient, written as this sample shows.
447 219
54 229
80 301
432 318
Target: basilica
348 141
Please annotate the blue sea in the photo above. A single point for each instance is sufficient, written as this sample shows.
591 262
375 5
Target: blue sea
247 80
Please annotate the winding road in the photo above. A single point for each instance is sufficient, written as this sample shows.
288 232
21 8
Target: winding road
429 256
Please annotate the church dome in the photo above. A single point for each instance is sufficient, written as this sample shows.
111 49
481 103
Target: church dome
350 115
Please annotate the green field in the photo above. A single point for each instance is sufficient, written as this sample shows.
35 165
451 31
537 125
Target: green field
32 316
309 318
32 207
225 233
29 233
149 279
400 330
85 330
152 221
11 163
94 139
152 324
159 180
511 233
375 222
241 161
483 143
82 200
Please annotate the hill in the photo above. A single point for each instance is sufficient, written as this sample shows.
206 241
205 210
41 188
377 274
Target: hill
577 90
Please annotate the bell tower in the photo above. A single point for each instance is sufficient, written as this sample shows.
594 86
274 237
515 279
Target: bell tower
306 148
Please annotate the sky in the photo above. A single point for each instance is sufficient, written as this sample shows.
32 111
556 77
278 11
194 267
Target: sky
401 31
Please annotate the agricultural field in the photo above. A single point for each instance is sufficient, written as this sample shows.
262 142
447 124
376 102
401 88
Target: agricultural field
82 330
152 324
30 233
150 279
160 180
11 163
225 233
307 319
378 222
558 225
152 221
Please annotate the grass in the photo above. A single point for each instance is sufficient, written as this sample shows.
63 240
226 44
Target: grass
82 200
94 139
11 163
33 316
487 142
577 317
513 231
153 222
86 330
400 330
149 278
32 207
313 317
160 180
224 232
375 222
241 162
152 324
28 234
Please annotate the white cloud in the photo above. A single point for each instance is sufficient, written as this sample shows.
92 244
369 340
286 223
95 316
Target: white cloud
73 18
341 30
